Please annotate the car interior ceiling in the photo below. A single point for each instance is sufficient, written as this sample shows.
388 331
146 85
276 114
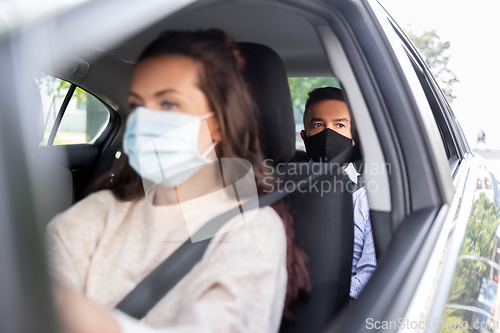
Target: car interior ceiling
294 38
293 49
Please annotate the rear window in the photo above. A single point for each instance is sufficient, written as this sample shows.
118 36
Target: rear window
71 115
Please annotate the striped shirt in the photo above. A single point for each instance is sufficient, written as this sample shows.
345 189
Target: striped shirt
364 260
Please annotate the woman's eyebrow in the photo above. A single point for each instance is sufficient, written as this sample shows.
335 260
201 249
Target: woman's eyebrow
165 91
131 93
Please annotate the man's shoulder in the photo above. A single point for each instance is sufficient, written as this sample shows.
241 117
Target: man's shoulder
360 203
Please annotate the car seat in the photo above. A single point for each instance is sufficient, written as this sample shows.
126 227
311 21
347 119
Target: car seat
322 220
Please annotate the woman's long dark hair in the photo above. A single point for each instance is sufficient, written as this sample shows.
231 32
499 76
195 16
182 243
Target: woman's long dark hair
228 95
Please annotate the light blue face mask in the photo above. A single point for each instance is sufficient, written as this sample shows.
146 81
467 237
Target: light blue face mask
162 146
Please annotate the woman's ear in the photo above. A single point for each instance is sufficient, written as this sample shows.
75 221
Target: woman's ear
214 128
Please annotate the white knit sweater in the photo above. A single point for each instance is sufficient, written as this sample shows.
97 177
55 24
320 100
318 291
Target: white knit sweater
103 248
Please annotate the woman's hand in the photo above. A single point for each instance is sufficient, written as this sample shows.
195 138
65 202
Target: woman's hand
79 315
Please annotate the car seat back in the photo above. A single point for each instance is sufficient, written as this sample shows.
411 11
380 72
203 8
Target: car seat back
323 220
324 228
265 74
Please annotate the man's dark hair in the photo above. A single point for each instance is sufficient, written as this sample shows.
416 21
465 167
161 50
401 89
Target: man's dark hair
318 95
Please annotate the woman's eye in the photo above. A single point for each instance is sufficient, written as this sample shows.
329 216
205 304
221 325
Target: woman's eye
340 125
318 125
168 105
133 106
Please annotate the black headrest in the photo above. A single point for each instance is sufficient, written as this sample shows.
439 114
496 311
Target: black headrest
266 76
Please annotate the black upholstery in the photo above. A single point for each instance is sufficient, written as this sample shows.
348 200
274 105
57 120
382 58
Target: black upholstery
324 228
301 156
107 159
323 222
266 76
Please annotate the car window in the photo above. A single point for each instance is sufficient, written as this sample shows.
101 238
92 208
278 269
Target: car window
439 109
71 115
299 88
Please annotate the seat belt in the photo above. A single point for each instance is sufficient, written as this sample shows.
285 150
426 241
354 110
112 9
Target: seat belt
165 276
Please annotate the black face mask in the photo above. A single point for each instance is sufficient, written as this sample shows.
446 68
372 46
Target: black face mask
326 145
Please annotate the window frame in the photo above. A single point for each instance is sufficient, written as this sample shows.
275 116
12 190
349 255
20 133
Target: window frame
450 143
60 113
443 114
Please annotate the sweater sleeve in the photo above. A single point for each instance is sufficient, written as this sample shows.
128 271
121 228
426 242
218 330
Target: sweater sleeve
71 239
241 286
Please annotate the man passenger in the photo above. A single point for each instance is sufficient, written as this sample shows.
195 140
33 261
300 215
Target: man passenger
327 132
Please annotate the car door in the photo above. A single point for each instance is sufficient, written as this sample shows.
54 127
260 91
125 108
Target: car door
419 147
458 288
409 292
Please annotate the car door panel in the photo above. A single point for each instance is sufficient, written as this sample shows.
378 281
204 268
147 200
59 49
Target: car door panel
430 288
471 296
391 274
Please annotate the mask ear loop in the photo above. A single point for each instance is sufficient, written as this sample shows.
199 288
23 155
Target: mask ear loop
209 149
204 155
212 145
207 115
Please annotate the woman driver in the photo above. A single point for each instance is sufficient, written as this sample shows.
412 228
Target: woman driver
104 245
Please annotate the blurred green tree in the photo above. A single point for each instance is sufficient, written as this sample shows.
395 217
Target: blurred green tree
53 86
434 51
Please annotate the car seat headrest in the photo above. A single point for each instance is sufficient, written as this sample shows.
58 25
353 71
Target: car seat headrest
265 74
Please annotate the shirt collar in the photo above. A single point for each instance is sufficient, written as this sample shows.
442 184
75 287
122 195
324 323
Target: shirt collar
352 173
